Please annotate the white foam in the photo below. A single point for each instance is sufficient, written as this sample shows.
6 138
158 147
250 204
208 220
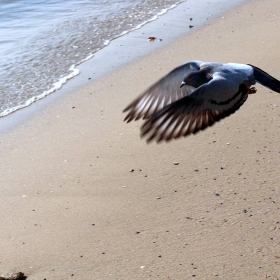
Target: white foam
56 86
162 12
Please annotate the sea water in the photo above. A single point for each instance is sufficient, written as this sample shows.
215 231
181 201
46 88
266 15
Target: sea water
42 41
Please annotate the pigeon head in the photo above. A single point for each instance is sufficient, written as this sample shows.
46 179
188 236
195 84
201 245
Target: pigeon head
195 79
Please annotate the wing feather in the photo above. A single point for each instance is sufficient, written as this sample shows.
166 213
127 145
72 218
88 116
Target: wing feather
189 115
163 92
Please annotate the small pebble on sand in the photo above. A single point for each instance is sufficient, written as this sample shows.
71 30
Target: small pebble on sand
12 276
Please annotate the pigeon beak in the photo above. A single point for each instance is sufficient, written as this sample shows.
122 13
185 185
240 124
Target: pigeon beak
182 84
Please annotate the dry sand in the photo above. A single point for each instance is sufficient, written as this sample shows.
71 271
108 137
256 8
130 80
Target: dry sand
71 208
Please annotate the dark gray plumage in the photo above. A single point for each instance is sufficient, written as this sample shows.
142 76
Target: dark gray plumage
194 96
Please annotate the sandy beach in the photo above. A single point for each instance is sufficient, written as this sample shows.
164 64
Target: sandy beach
83 197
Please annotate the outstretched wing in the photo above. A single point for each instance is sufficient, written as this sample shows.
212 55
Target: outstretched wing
265 79
162 93
195 112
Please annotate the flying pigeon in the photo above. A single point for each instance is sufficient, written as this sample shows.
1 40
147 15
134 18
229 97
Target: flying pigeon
194 96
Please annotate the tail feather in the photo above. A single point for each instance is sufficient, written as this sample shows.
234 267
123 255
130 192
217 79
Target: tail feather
265 79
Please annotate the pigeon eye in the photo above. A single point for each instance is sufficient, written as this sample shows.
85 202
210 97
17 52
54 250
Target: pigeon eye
190 79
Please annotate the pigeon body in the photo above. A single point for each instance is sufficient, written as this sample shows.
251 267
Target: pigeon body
194 96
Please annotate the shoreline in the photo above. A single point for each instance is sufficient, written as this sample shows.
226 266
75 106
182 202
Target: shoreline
73 209
127 49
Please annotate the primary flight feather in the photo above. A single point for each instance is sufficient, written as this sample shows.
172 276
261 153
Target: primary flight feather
194 96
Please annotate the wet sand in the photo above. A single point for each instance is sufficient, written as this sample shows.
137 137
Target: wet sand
83 197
